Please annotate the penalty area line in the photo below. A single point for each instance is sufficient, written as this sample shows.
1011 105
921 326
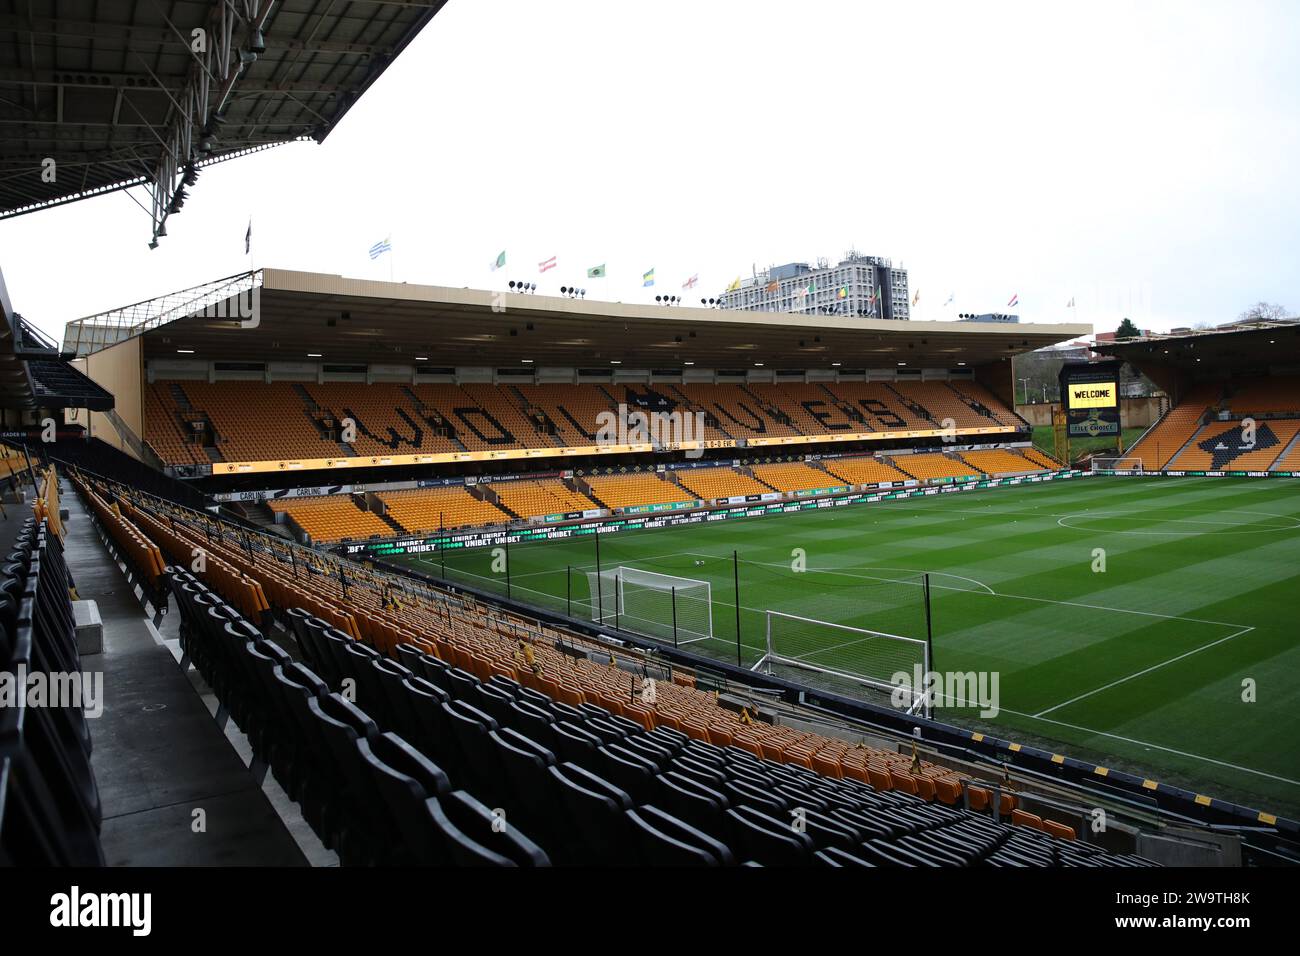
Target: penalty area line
1145 670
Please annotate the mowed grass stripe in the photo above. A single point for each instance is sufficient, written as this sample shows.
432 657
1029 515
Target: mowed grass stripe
1046 652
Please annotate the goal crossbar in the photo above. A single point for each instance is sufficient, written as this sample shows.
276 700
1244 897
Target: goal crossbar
664 606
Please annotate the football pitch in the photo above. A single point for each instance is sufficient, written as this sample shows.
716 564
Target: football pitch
1147 624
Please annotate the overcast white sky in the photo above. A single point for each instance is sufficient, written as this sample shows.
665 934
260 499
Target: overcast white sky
1139 157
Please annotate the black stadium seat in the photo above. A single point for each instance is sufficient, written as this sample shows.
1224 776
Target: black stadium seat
432 765
476 836
594 810
767 840
665 840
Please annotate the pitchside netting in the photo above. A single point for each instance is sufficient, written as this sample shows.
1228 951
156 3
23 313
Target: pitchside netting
1117 464
853 654
658 605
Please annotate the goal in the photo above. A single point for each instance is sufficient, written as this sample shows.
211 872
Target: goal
1125 465
662 606
850 654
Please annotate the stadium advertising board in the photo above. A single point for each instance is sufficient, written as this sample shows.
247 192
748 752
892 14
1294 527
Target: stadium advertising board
455 541
508 454
1133 472
1090 392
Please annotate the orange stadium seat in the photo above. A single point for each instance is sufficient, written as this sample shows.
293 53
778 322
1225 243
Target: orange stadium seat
882 406
1000 461
794 476
1224 445
545 496
331 518
430 509
863 470
928 466
259 421
739 412
641 488
573 409
712 483
1167 437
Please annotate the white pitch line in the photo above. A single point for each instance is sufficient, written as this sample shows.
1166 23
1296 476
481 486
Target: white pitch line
1146 670
1171 750
989 592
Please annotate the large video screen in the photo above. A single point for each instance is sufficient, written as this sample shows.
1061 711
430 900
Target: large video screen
1091 397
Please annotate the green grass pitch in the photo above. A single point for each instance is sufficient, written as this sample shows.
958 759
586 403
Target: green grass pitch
1141 667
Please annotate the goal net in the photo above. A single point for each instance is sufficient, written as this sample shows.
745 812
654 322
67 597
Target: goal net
1125 464
848 655
663 606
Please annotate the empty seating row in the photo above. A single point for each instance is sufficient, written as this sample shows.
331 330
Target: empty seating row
999 461
863 470
383 611
559 719
331 518
429 509
50 811
591 787
794 476
277 421
710 484
365 791
639 488
930 466
541 497
1166 438
1238 445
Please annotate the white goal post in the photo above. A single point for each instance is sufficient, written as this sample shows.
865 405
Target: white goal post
663 606
854 654
1129 463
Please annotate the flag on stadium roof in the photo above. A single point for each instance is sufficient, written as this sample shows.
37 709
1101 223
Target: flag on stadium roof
1014 300
844 292
772 286
648 278
379 248
546 264
499 261
951 296
690 283
735 284
248 236
596 272
1070 304
916 297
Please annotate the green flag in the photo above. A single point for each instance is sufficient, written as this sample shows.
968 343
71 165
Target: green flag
499 261
596 272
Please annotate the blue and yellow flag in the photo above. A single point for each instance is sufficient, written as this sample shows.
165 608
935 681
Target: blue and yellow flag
648 278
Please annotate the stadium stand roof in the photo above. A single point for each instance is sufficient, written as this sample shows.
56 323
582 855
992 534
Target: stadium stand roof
35 374
303 315
117 93
1254 346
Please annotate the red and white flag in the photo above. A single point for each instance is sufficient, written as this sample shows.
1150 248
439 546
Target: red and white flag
1015 300
546 264
690 283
